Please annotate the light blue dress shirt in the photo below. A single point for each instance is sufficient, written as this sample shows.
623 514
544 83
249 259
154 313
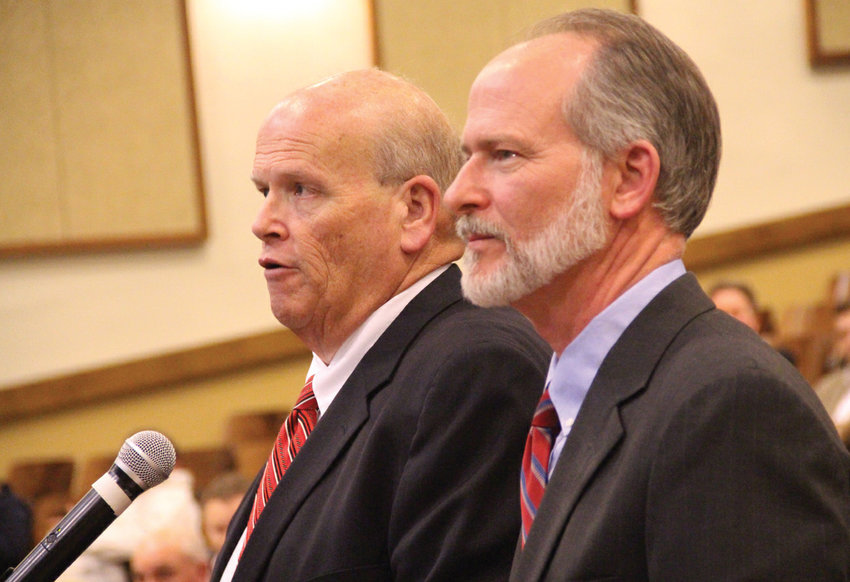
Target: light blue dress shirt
572 372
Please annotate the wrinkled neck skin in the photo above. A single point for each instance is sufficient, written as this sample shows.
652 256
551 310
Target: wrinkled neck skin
327 337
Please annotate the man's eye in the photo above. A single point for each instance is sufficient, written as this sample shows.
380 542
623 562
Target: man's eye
298 189
264 192
504 154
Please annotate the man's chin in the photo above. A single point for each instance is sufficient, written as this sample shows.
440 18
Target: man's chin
478 266
484 290
480 297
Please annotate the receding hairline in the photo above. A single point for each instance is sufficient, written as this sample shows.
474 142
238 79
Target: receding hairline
364 91
368 102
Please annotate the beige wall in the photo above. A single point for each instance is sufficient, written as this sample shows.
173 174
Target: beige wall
787 136
786 139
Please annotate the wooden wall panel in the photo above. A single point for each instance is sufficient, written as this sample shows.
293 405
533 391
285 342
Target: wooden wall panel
100 121
29 190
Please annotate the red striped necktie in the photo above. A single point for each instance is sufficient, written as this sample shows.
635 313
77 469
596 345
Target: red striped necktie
295 430
535 461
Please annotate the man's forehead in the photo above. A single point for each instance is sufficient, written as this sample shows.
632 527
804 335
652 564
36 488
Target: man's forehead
307 127
301 146
553 55
293 115
528 81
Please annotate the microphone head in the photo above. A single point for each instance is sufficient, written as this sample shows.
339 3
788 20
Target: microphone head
147 457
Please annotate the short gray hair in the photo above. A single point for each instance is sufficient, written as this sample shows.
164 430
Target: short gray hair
640 85
404 132
415 138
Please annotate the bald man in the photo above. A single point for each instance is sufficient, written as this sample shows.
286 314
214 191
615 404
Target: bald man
400 459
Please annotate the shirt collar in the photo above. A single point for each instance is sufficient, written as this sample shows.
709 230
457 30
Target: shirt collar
571 373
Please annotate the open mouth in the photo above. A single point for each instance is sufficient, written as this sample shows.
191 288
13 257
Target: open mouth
269 264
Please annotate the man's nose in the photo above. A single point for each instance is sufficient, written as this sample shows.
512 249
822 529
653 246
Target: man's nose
466 193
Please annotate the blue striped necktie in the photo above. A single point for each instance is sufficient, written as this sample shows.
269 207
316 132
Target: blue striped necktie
535 461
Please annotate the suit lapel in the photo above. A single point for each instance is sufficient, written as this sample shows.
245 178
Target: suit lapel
597 429
342 421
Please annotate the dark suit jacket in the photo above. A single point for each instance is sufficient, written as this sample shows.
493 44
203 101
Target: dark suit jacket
698 454
412 473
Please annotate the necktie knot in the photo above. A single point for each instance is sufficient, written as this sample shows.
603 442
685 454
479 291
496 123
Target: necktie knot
545 415
306 399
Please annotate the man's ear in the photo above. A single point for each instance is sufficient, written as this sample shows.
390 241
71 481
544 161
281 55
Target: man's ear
421 197
638 168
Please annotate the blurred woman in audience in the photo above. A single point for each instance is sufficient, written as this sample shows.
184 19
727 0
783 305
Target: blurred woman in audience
738 300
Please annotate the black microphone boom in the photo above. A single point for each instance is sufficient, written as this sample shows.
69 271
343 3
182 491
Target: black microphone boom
146 459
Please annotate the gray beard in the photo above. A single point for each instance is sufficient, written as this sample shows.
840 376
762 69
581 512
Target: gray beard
578 231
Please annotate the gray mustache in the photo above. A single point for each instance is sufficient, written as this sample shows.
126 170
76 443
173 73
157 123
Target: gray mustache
467 225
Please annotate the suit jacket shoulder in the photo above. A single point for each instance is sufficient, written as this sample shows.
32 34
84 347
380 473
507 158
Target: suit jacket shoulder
698 454
412 472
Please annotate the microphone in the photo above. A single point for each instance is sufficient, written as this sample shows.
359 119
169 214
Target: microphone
145 459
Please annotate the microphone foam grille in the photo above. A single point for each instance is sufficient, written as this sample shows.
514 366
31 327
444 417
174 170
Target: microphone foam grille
149 456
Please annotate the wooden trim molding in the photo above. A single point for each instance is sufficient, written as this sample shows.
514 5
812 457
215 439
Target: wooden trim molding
832 47
148 374
749 242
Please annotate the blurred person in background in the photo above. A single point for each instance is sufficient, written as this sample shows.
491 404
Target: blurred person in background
171 555
834 387
219 501
16 528
739 300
